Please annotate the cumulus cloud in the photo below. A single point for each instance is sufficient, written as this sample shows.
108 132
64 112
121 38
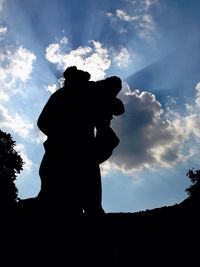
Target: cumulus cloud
191 121
16 62
140 19
148 3
93 58
146 27
143 4
3 30
19 64
16 66
3 96
147 137
121 57
152 137
197 100
51 88
122 15
14 123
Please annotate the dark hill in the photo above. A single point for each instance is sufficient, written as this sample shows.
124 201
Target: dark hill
159 236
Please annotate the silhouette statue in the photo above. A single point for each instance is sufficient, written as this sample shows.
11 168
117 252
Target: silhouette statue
69 171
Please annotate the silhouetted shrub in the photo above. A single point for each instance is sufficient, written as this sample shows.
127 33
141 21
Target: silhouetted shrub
194 189
10 165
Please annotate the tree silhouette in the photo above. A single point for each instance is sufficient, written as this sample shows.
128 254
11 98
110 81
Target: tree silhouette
11 164
194 189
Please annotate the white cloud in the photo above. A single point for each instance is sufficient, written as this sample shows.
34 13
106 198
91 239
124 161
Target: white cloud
53 53
122 57
93 58
197 100
109 14
143 5
146 27
147 138
191 121
3 96
20 63
192 124
27 162
122 15
148 3
140 19
51 88
14 123
105 167
151 137
64 40
16 63
16 66
3 30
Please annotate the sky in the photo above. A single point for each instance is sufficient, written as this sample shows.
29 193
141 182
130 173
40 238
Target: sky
152 45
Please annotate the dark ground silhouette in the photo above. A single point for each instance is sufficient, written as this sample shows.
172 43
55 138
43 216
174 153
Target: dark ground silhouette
161 237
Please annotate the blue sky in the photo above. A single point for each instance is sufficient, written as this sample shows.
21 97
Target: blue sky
153 45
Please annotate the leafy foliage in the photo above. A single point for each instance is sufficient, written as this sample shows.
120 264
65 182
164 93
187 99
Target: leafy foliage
11 164
194 189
